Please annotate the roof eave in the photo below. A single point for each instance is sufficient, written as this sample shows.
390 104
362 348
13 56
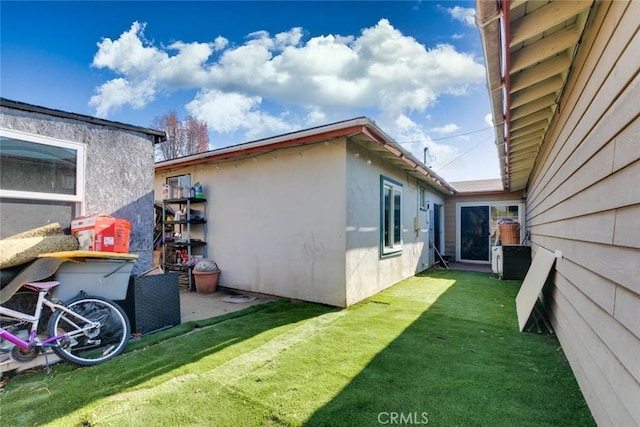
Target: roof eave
361 125
158 135
489 17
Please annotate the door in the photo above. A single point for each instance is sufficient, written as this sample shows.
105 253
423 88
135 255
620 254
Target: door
474 233
436 226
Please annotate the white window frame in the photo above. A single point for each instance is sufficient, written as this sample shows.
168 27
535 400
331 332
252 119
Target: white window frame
422 196
80 149
391 247
489 204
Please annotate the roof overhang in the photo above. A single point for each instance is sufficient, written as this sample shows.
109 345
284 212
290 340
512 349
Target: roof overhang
360 130
529 48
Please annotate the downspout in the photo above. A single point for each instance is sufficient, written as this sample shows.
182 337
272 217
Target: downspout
488 16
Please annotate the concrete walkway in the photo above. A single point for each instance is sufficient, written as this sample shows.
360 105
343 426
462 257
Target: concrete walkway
467 266
196 306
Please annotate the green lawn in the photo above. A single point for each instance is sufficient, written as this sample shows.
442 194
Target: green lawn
441 348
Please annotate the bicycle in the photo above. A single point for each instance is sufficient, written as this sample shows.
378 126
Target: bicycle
86 330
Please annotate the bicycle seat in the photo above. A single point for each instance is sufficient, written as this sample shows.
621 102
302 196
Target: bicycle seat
41 286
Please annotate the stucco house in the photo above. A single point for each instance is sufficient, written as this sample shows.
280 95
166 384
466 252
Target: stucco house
331 214
564 84
58 165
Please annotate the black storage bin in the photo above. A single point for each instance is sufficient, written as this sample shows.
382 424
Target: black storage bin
515 261
153 302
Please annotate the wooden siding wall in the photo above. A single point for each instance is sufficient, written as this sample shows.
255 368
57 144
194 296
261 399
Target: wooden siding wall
450 213
584 199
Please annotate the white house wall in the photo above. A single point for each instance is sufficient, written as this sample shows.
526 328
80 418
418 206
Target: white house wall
366 273
584 200
276 221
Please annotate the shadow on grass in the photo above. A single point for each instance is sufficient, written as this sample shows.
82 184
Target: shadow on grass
461 362
29 399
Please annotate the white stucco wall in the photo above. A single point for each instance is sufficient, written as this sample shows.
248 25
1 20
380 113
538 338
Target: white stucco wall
276 225
305 222
366 272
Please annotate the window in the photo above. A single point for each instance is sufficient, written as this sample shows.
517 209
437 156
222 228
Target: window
40 168
41 180
178 184
502 211
423 203
391 216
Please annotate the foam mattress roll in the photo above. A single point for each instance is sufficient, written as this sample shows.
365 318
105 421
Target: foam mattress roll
22 250
46 230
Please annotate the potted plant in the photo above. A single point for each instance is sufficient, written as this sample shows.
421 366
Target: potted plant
206 274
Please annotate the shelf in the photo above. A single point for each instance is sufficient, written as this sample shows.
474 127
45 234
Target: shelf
192 244
187 248
177 267
191 221
184 200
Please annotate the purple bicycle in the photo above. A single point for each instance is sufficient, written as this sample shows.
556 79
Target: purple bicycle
87 330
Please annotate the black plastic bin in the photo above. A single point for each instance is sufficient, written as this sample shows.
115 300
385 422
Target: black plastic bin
153 302
515 262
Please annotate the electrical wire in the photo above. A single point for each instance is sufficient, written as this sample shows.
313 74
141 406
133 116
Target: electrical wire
447 137
465 153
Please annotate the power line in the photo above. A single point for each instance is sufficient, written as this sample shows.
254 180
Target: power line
446 137
465 153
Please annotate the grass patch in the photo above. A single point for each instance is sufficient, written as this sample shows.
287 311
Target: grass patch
442 346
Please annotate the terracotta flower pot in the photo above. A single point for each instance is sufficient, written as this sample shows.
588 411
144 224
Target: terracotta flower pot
206 281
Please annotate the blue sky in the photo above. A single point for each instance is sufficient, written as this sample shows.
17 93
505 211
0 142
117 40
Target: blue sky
260 69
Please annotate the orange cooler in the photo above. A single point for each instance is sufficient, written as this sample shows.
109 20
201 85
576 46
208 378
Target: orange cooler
102 233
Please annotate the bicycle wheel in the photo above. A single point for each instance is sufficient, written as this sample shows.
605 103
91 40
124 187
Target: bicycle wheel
95 345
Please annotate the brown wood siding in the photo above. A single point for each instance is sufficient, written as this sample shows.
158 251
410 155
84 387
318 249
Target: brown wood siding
450 213
584 199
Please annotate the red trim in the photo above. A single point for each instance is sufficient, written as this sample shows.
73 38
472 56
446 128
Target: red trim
507 85
374 136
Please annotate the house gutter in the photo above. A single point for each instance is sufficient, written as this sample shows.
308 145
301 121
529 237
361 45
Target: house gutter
489 16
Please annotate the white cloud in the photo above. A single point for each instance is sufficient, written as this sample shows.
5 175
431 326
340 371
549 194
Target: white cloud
315 117
323 78
118 92
463 14
229 112
128 54
488 119
220 43
448 128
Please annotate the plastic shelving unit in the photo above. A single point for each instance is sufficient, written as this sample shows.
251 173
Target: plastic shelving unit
179 247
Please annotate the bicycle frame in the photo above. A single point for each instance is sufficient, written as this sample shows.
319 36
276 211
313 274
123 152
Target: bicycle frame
34 320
